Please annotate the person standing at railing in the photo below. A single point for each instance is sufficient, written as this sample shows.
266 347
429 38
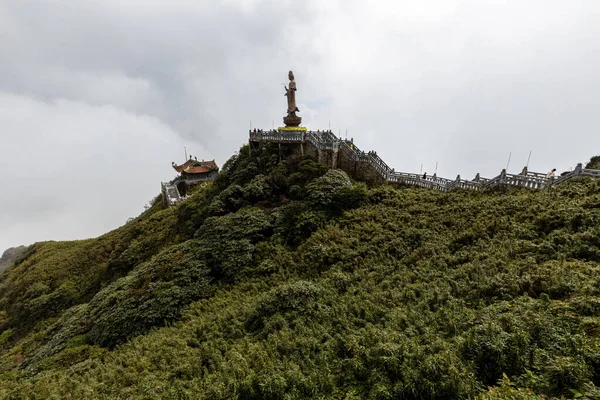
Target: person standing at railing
551 174
425 175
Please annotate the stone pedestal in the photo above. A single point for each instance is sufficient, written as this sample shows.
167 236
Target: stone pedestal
292 120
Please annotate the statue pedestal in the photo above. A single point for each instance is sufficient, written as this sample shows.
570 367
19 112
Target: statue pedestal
292 120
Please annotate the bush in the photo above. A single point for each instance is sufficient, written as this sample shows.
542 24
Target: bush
153 294
322 191
283 305
227 243
258 189
594 163
296 222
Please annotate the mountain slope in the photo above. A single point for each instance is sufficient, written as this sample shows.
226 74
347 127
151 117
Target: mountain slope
285 280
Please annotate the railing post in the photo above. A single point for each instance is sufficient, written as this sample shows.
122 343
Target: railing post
525 171
456 182
502 176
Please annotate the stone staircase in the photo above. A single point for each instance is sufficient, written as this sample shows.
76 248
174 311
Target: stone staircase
170 193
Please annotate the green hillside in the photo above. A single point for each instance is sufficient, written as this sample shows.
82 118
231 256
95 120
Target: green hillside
286 280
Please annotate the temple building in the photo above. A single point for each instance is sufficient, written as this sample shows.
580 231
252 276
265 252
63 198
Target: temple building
194 170
190 172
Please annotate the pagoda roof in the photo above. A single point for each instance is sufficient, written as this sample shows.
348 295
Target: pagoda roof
196 167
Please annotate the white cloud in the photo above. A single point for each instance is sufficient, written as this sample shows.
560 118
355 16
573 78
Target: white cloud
72 170
464 83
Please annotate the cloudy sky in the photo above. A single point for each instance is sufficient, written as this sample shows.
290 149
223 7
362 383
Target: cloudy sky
98 97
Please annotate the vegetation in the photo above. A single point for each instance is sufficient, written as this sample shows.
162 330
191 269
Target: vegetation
594 163
288 280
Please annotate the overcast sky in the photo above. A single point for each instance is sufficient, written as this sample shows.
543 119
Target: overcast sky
97 98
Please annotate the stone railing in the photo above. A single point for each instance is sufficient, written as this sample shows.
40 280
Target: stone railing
278 136
323 140
315 140
326 140
429 182
459 183
577 172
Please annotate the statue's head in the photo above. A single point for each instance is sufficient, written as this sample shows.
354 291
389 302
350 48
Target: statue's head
291 76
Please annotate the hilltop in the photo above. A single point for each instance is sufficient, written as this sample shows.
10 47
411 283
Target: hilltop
289 280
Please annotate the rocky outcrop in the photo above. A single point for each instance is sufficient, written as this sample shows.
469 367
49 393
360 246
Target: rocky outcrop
9 256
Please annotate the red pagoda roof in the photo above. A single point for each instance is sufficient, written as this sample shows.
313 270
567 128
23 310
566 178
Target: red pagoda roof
196 167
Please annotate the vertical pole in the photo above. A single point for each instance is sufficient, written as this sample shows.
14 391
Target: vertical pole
528 159
185 151
507 164
436 164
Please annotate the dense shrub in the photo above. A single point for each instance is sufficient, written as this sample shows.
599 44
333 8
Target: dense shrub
283 305
323 190
152 294
227 243
296 222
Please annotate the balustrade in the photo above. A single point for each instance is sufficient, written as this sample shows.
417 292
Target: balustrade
326 140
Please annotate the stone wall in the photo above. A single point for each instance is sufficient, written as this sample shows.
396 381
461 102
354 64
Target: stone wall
358 170
332 158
